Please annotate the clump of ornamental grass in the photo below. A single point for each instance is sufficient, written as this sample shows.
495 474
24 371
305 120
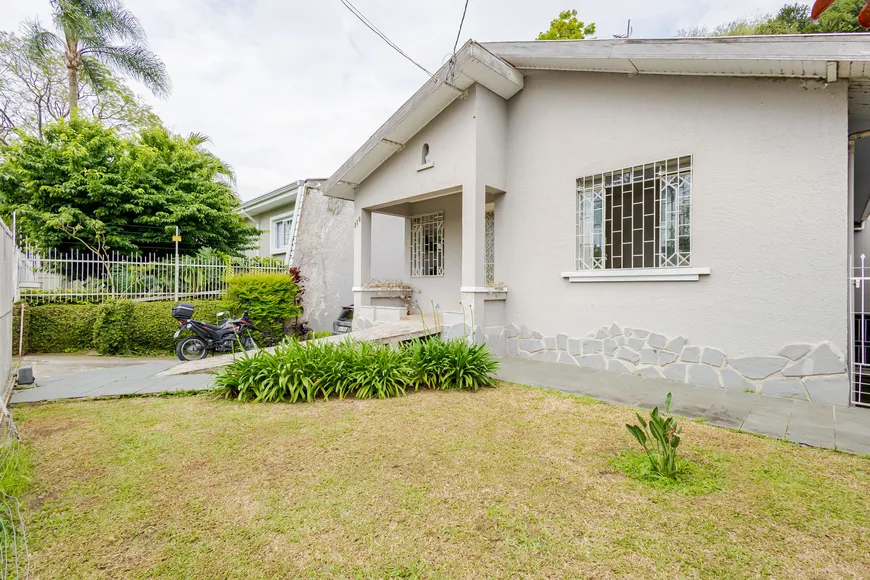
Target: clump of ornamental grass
307 371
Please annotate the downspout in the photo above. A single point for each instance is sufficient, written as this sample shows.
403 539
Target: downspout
297 216
850 324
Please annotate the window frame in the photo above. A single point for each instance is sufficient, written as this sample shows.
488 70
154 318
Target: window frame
417 256
288 218
596 199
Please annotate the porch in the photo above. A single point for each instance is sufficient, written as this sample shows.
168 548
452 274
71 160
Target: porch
450 265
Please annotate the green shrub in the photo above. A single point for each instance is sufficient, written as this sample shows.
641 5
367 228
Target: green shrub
112 327
305 371
659 438
60 327
16 328
454 364
270 299
70 327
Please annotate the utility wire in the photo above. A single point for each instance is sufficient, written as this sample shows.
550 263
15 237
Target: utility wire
383 36
458 32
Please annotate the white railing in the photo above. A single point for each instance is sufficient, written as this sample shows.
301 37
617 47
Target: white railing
54 276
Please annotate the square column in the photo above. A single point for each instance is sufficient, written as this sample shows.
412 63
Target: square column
362 259
473 287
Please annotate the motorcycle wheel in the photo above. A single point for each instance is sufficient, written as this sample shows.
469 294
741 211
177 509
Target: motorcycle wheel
191 348
248 342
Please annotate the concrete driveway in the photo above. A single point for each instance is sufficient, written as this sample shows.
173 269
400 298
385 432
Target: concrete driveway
73 376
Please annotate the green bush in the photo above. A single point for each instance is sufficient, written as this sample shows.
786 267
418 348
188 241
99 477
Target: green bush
305 371
112 327
61 327
270 299
70 327
16 328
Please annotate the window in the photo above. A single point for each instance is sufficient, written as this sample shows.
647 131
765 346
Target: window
639 217
427 244
282 229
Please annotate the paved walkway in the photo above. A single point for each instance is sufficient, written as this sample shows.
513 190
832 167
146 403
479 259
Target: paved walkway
132 378
815 424
406 329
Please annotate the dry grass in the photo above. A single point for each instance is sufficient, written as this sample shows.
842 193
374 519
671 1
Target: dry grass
507 482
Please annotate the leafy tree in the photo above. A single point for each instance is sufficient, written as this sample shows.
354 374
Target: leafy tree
33 93
95 36
567 27
842 16
86 186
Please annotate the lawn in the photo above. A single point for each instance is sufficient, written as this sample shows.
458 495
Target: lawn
505 482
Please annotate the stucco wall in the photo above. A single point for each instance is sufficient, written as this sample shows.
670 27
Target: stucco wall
388 247
324 254
769 205
451 142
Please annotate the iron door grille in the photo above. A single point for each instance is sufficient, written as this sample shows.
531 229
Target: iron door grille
427 245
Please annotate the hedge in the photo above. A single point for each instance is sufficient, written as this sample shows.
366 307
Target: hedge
70 327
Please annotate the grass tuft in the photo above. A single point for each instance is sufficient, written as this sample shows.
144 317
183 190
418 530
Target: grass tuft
693 478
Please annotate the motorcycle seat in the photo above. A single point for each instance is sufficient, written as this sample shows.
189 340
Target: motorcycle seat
212 326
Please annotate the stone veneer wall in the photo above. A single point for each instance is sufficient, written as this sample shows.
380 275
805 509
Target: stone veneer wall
799 371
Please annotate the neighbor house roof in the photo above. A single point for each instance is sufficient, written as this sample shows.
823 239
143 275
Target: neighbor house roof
276 197
498 66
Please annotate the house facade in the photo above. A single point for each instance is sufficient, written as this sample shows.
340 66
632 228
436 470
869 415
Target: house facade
303 228
677 208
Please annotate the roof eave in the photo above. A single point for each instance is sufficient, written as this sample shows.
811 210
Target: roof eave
474 64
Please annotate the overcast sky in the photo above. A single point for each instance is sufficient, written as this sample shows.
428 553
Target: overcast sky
289 89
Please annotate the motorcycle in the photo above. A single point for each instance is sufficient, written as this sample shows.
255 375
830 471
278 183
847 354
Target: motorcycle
232 334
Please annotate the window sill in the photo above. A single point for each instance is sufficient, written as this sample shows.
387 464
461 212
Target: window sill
279 251
639 275
426 166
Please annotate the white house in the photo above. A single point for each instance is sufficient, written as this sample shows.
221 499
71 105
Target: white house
678 208
305 229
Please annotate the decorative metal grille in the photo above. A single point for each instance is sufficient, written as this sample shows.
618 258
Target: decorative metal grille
427 244
639 217
489 245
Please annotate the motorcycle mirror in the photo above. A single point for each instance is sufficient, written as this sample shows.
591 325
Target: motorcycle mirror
221 314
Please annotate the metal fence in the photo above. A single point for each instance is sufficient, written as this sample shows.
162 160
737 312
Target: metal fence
860 355
72 276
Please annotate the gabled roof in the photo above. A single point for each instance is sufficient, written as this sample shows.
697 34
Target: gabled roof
498 66
277 197
474 64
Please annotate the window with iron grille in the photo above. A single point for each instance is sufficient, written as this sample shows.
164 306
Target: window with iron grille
638 217
489 245
427 244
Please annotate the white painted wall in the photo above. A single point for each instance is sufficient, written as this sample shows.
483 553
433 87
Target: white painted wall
770 205
388 247
770 200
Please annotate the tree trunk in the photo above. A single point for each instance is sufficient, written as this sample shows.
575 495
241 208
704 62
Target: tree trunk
73 79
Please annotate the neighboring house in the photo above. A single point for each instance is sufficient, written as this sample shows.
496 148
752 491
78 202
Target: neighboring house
675 208
303 228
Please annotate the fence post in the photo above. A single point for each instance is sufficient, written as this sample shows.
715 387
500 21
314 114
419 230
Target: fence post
176 238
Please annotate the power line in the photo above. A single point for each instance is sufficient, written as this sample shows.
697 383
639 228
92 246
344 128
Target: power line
383 36
458 32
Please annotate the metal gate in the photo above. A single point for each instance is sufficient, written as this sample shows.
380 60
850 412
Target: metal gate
860 355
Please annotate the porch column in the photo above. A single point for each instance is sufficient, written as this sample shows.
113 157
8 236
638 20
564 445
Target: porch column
473 253
362 263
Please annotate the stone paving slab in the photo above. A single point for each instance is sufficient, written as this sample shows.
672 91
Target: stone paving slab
111 382
815 424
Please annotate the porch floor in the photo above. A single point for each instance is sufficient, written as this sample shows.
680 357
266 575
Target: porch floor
815 424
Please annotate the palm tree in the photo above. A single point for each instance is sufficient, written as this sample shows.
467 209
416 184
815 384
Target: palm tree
95 35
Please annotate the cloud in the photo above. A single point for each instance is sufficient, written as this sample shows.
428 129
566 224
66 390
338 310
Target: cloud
288 90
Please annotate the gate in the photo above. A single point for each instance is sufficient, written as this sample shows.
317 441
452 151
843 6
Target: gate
860 355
